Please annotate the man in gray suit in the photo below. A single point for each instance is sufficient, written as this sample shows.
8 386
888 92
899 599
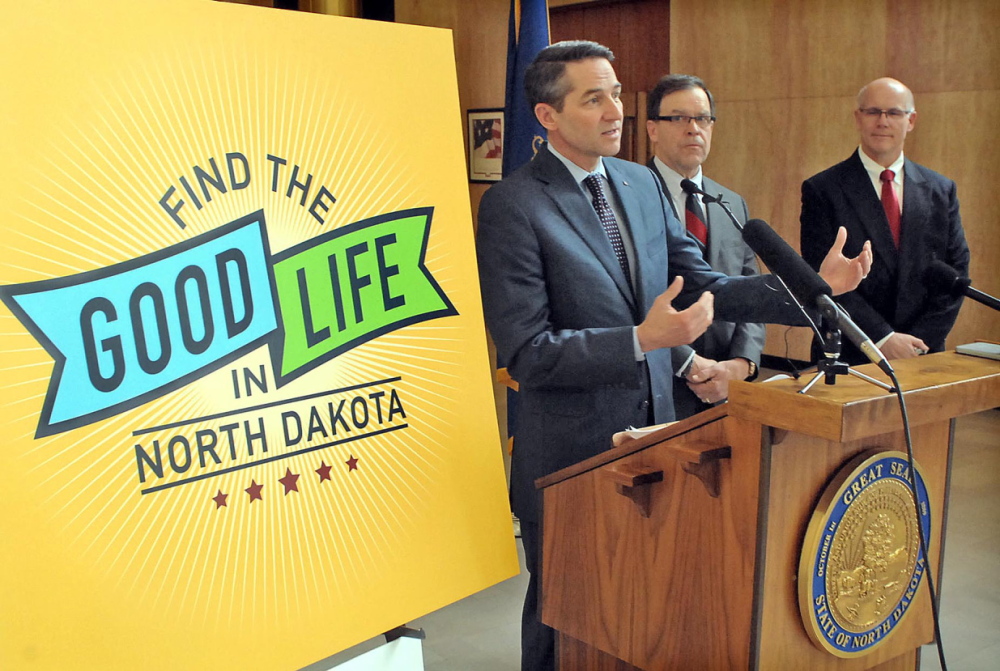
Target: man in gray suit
681 116
588 280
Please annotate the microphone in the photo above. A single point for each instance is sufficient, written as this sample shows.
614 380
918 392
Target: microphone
942 278
690 187
803 282
806 285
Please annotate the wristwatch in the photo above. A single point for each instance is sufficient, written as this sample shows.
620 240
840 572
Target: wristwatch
753 371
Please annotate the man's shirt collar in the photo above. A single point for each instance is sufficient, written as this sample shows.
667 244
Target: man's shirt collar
579 174
673 178
875 170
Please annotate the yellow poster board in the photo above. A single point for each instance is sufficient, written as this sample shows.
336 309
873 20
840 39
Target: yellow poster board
247 409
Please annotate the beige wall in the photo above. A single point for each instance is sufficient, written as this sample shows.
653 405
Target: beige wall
785 73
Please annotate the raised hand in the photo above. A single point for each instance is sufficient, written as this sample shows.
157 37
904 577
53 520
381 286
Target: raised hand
841 273
665 326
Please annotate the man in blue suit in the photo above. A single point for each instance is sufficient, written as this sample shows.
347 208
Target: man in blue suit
681 117
909 212
588 280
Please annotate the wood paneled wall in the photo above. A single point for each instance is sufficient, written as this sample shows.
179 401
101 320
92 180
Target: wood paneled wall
480 33
785 73
637 31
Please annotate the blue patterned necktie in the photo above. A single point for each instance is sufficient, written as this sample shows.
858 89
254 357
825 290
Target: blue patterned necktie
608 221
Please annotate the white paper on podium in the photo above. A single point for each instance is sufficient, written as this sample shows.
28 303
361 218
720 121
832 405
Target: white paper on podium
633 432
403 654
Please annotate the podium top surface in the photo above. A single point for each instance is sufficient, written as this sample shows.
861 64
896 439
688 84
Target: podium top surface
936 387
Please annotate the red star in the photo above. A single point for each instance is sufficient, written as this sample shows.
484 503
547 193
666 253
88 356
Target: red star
290 481
352 463
323 471
254 491
220 499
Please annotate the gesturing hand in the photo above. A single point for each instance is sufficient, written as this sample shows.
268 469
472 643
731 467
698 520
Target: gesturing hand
841 273
666 327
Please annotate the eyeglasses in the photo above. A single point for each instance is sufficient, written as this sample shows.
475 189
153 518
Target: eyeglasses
891 115
683 119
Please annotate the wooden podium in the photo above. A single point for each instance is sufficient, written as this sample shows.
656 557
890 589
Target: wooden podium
680 550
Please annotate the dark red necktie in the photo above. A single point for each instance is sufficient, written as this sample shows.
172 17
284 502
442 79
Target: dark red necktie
694 218
890 203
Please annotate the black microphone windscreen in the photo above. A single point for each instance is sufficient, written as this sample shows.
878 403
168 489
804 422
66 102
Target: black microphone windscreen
942 278
785 262
687 186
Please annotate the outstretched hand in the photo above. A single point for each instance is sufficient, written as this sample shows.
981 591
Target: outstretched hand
841 273
665 326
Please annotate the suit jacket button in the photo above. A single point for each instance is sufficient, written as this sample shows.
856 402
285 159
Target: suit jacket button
644 405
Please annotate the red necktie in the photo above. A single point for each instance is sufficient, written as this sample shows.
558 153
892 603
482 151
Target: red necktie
694 218
890 203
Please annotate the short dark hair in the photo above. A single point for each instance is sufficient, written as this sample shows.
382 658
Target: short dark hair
543 80
672 84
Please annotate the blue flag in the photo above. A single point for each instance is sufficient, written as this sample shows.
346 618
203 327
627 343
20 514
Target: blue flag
524 135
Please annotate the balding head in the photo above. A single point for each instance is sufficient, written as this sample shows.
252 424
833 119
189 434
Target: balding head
884 116
883 86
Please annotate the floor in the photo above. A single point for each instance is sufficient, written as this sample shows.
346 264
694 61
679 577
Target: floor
480 633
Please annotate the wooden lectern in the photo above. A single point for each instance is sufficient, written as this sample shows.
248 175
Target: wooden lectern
680 550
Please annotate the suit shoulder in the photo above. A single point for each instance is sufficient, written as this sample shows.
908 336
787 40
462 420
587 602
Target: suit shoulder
510 187
930 175
631 170
711 185
835 172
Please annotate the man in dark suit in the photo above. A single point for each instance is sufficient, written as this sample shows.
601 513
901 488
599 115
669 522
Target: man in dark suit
681 116
909 212
588 280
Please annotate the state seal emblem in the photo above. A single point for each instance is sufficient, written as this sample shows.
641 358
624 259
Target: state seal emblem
861 562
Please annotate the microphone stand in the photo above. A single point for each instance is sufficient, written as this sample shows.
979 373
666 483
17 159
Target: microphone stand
830 366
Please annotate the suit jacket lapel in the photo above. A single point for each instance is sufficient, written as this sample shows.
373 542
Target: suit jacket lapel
718 224
630 210
866 203
914 220
579 212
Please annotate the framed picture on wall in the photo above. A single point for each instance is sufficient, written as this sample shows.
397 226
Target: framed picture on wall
486 129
